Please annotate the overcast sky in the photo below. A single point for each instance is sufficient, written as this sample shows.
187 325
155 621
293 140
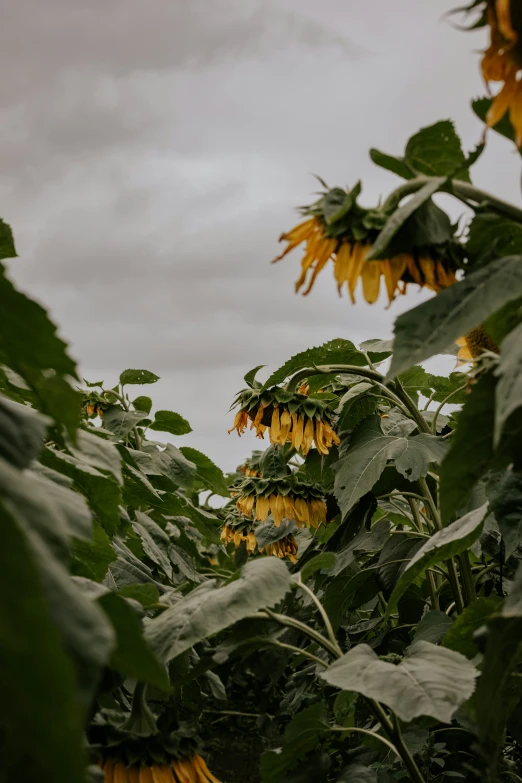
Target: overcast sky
153 151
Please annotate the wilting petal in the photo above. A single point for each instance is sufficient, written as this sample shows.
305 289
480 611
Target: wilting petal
298 433
502 101
359 254
162 774
393 269
301 508
133 775
515 114
324 254
427 266
371 280
503 9
312 249
262 508
108 771
319 437
202 768
286 423
146 775
342 264
275 426
308 436
297 235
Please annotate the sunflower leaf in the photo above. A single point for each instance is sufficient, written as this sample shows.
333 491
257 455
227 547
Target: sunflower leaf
209 475
138 377
334 352
397 166
169 421
437 151
302 734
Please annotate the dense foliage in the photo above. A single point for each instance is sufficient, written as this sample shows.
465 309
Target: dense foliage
351 610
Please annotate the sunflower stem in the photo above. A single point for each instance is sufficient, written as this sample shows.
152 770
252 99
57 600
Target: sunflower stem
323 613
443 403
283 619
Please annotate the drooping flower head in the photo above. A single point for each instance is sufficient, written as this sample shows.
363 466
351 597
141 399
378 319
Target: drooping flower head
238 530
251 466
284 548
289 417
191 769
474 344
502 62
338 230
283 498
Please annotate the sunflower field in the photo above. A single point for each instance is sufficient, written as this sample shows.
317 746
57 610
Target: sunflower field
347 605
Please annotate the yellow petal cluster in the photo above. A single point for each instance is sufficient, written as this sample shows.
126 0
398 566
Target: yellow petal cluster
229 534
499 64
187 770
311 513
285 547
301 431
350 265
474 344
246 471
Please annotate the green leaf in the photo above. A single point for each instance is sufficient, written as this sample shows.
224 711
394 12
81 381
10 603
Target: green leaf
430 327
22 431
251 375
401 214
142 404
102 492
334 352
120 422
481 107
471 448
442 545
164 459
366 540
132 656
370 449
7 245
429 225
357 773
357 404
390 163
377 350
302 735
155 542
168 421
208 473
42 730
138 377
416 381
396 553
93 558
207 610
504 491
437 151
509 388
325 560
146 594
348 592
459 636
433 627
492 236
430 680
268 533
444 386
97 452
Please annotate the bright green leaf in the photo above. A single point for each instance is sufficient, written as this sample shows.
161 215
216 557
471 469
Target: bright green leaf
333 352
138 377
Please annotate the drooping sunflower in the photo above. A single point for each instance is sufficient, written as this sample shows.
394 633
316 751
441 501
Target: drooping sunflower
474 344
238 530
285 547
290 417
502 62
346 237
187 770
251 466
283 498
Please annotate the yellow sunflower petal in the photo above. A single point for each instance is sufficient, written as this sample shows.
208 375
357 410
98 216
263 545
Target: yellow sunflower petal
289 507
308 436
515 114
319 438
342 264
286 423
133 775
427 266
503 9
324 255
275 426
162 774
298 433
200 764
262 508
180 771
301 508
502 101
312 249
108 771
371 280
295 236
359 254
146 775
277 509
393 269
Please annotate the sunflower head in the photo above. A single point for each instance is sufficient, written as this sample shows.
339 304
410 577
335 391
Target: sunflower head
338 230
283 498
284 548
299 419
190 769
237 530
252 465
473 344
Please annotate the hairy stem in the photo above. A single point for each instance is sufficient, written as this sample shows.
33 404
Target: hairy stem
324 615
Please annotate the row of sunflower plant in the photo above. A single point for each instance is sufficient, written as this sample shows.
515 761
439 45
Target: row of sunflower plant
352 609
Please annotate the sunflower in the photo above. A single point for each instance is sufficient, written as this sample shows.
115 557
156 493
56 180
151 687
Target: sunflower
236 535
283 498
285 547
502 62
188 770
429 267
289 417
474 344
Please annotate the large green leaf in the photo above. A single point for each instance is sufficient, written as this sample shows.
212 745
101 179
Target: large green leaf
509 388
349 591
363 462
268 532
430 327
208 473
430 680
504 491
492 236
390 163
41 723
22 431
169 421
433 627
445 543
437 151
132 656
92 558
471 448
302 735
155 542
209 609
165 459
401 215
137 377
7 245
97 452
120 422
459 636
334 352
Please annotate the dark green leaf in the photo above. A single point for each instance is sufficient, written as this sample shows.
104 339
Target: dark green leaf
166 460
333 352
443 544
509 388
401 214
208 473
471 448
268 533
459 636
432 628
250 376
325 560
42 729
7 245
437 151
357 773
146 594
365 541
481 107
302 735
168 421
142 404
137 377
97 452
428 328
492 236
430 680
132 656
396 553
120 422
207 610
92 558
390 163
348 592
22 431
155 542
504 491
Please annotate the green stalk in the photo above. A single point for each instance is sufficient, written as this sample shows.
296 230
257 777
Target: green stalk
468 584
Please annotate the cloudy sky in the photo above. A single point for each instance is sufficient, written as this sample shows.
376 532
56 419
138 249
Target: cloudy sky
153 150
